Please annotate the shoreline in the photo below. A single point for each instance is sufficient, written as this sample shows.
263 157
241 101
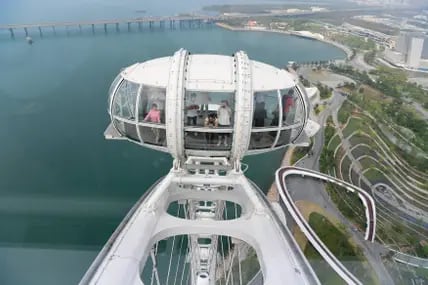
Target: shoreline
346 49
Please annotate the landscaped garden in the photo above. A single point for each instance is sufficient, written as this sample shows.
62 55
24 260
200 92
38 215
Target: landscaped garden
337 241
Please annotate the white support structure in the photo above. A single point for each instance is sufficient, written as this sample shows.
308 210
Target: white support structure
174 105
244 107
257 226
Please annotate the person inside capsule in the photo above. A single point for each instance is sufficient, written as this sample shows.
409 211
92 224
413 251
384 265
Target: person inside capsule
153 116
224 114
210 122
287 105
192 110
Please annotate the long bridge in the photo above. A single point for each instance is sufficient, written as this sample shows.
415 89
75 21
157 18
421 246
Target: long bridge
162 21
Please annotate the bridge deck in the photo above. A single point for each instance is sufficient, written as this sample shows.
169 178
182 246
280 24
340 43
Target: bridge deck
106 22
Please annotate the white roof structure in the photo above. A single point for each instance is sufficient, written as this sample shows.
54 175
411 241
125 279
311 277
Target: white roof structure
209 72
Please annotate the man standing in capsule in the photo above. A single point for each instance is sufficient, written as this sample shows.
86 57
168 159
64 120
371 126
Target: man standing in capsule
192 110
224 114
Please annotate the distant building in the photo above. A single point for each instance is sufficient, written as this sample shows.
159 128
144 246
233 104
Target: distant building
377 37
402 43
414 53
251 23
293 11
411 46
318 9
425 50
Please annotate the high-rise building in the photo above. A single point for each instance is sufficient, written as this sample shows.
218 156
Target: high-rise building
401 45
411 46
414 52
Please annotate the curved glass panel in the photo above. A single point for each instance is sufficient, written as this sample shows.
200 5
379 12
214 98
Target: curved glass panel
210 139
284 138
151 109
209 120
120 126
153 135
131 131
300 114
113 85
260 140
111 89
292 108
127 129
266 109
125 100
198 105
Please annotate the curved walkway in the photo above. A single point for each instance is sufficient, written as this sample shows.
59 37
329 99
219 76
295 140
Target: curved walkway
410 260
368 202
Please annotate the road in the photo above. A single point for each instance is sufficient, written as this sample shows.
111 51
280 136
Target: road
358 63
334 104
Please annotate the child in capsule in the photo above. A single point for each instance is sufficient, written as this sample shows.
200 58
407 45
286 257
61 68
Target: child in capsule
210 122
153 116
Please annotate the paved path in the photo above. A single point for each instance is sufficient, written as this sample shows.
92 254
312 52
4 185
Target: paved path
359 63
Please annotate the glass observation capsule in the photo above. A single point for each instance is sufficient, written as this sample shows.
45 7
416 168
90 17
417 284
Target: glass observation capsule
208 105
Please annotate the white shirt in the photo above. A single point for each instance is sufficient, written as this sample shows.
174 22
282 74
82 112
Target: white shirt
192 112
223 115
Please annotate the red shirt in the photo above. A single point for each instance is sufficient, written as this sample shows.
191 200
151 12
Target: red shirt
153 116
287 102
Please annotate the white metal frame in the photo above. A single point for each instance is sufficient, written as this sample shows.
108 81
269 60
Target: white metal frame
174 110
258 226
244 100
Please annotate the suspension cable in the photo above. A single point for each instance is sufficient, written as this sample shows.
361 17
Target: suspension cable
172 249
239 251
228 240
179 257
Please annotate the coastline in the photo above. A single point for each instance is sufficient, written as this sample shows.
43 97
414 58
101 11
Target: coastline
346 49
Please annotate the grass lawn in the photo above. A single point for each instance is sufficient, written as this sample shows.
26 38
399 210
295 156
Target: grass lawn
346 164
422 272
334 143
360 139
374 94
353 125
306 208
364 150
340 246
374 176
344 112
367 163
298 153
